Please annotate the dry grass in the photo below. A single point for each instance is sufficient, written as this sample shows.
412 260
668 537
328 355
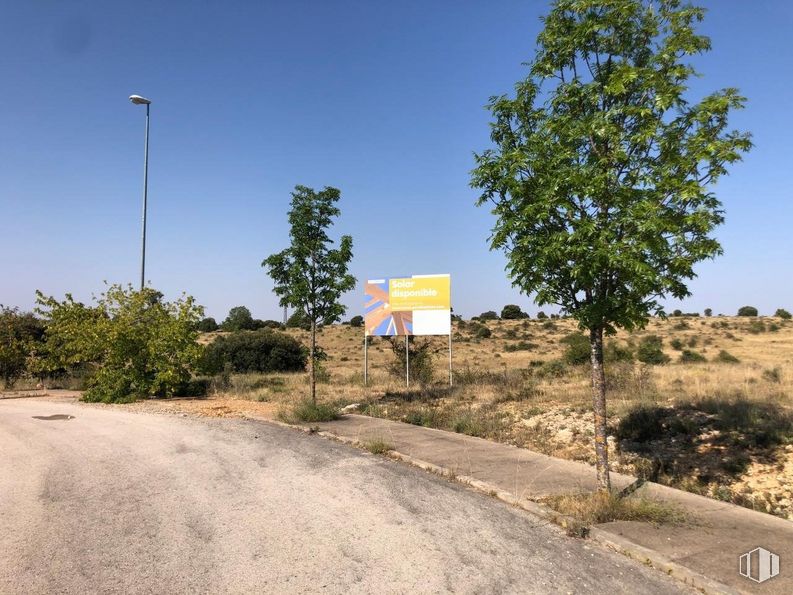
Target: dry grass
605 507
710 427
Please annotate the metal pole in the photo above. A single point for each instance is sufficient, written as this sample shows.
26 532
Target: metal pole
407 363
145 200
450 359
365 360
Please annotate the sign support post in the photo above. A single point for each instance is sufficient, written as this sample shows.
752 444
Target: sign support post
407 363
450 359
365 360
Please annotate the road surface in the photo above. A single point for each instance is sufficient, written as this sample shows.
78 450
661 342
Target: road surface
99 499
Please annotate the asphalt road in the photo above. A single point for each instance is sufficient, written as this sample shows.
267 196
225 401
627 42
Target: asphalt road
112 501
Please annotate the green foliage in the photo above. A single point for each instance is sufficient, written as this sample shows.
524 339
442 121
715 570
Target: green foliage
207 325
512 312
489 315
726 357
677 344
614 352
602 169
708 312
541 315
783 314
356 321
677 313
521 346
691 357
298 320
747 311
239 319
310 275
578 350
483 332
141 344
420 352
19 335
651 351
262 351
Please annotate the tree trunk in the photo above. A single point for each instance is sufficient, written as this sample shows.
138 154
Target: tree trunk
599 408
312 362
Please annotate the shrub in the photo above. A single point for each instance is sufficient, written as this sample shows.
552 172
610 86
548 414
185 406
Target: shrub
708 312
420 353
356 321
521 346
513 312
483 332
239 319
553 369
255 351
489 315
298 320
726 357
651 350
141 344
308 412
747 311
207 325
782 313
274 324
18 334
541 315
676 344
756 326
677 313
690 357
614 352
578 349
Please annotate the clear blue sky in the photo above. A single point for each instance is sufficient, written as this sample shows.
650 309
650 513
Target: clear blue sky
383 100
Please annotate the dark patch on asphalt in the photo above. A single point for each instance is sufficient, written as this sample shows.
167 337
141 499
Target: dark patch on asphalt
56 417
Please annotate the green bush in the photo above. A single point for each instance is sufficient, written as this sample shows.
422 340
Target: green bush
578 348
141 344
261 351
691 357
726 357
614 352
483 332
782 313
356 321
520 346
513 312
19 334
298 320
747 311
420 352
651 351
677 344
207 325
541 315
708 312
489 315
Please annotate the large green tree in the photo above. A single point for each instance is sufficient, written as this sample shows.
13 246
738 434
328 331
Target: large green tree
601 174
310 275
20 333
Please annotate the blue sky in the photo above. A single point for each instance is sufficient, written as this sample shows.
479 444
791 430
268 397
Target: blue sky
383 100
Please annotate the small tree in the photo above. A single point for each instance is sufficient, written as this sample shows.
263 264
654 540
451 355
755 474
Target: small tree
356 321
747 311
601 172
309 275
140 344
513 312
207 325
708 312
783 314
239 319
489 315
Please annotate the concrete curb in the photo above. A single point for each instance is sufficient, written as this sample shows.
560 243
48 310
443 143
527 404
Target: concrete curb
602 536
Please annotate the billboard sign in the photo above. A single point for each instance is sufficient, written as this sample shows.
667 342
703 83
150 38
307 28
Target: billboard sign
417 305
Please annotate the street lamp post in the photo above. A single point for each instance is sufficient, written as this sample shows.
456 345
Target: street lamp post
138 100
